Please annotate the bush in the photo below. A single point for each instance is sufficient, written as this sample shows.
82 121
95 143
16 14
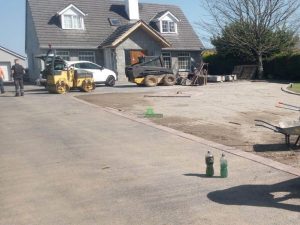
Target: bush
283 66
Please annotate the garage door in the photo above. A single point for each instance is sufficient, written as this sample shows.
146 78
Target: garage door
6 68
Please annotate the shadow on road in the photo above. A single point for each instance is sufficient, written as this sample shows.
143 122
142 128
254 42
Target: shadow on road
199 175
275 147
35 90
281 195
270 147
128 86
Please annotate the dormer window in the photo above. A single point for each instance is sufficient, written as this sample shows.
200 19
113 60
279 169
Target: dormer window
166 22
168 27
73 22
72 18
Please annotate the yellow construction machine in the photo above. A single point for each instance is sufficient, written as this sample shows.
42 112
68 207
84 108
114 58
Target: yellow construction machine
60 78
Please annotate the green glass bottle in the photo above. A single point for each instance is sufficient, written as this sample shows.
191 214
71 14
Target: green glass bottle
223 165
209 160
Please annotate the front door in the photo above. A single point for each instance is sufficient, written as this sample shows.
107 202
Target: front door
135 54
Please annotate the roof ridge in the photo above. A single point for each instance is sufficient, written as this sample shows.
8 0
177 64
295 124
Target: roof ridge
12 52
143 3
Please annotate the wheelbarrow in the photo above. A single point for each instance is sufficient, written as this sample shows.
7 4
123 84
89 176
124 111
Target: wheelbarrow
287 128
288 106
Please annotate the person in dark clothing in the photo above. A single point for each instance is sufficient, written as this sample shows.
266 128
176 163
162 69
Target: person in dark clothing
18 73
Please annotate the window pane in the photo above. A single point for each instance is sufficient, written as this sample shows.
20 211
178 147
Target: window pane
73 22
184 61
155 63
63 54
172 27
167 59
77 22
168 27
68 22
93 66
87 56
183 54
83 65
165 26
114 22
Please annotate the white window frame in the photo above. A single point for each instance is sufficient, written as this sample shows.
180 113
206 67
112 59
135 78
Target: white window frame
73 22
186 60
65 55
75 14
87 56
168 27
168 62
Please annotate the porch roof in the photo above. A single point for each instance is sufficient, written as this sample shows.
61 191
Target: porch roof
123 32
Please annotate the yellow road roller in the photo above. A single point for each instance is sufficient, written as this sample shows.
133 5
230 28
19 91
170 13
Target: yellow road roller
61 79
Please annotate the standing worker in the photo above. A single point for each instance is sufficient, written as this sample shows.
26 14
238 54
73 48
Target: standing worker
1 81
18 73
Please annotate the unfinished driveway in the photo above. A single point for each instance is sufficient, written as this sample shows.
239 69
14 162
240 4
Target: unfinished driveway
64 162
223 113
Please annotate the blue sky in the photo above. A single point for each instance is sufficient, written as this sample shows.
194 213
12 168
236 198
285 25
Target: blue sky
12 20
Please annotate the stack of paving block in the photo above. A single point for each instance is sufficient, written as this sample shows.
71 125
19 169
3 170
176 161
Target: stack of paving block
221 78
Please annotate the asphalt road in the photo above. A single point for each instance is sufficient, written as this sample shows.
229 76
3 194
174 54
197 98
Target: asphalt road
64 162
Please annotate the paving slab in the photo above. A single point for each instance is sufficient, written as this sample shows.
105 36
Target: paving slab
65 162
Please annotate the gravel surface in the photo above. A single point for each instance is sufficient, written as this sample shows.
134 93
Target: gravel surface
220 112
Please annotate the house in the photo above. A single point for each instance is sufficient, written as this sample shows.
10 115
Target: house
7 58
110 33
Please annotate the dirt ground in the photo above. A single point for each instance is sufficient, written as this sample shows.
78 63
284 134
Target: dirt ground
220 112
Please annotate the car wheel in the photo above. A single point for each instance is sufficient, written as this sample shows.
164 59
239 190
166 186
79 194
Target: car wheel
110 81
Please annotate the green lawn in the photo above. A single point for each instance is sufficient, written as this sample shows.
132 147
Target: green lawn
295 87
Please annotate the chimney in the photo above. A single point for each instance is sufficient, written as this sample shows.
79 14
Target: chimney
132 9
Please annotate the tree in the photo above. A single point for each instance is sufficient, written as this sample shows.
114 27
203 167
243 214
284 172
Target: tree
254 28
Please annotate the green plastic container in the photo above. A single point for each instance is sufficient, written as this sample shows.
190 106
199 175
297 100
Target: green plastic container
224 166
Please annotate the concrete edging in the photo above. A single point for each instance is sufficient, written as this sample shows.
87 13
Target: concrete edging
284 89
231 150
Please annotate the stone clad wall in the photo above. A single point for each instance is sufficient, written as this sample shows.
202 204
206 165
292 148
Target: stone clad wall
139 40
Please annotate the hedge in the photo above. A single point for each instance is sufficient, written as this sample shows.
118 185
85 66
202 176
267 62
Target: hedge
283 67
219 65
280 67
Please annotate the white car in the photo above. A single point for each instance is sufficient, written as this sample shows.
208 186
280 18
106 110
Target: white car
101 75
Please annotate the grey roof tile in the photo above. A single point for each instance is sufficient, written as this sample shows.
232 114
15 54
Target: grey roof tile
158 15
121 30
97 26
116 34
